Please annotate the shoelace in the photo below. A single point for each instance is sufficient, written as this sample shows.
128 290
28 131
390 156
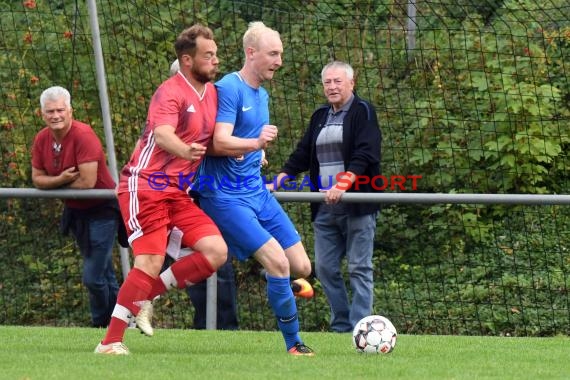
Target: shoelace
303 349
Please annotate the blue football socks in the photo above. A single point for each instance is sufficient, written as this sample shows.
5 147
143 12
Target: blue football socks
282 302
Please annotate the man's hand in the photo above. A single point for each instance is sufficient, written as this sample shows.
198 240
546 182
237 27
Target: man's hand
333 195
268 134
69 175
196 151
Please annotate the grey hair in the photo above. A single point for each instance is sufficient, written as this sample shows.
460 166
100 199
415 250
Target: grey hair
338 65
174 67
254 33
53 94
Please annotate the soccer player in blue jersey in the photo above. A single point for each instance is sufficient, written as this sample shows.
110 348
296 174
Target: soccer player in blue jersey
233 192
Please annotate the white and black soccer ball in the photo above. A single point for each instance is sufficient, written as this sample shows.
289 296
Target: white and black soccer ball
374 334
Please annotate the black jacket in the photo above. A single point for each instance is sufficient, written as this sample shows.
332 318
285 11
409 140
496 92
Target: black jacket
362 140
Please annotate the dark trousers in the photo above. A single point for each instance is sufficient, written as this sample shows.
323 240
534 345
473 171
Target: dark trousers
227 300
98 274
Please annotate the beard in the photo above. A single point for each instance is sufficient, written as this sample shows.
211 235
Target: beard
204 76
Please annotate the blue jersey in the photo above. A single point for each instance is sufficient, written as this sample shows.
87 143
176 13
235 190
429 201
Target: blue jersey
247 108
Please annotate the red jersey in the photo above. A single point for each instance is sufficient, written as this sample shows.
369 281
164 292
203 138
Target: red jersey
177 103
80 145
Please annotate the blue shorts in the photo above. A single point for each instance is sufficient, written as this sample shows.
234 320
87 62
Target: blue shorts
247 223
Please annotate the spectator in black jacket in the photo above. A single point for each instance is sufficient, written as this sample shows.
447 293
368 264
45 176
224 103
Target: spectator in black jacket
341 150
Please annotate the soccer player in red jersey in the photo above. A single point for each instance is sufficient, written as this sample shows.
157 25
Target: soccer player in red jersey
153 185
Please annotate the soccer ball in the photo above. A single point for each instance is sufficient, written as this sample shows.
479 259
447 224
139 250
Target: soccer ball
374 334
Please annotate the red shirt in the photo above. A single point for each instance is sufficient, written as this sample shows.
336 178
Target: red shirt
79 146
177 103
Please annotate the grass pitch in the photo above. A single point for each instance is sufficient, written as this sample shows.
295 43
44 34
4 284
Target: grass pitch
30 353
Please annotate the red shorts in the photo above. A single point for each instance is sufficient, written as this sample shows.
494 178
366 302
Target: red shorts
150 216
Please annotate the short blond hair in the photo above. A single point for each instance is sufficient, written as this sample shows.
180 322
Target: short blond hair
255 31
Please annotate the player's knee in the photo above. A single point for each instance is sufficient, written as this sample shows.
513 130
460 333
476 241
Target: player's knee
277 266
219 259
149 264
302 269
216 253
307 270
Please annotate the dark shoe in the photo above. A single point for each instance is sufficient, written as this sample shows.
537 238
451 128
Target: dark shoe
301 350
